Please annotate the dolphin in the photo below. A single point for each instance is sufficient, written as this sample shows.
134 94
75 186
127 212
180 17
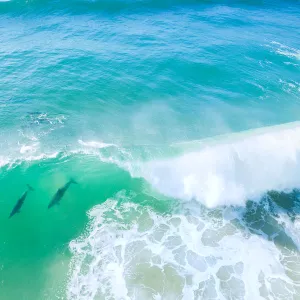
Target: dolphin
20 202
60 193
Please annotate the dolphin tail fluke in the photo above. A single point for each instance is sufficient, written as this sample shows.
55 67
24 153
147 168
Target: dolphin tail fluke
73 181
30 188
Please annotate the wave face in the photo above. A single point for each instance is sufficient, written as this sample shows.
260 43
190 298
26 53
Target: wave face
140 244
230 172
169 115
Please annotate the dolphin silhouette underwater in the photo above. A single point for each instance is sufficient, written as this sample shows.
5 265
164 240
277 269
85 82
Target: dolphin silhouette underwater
20 202
60 193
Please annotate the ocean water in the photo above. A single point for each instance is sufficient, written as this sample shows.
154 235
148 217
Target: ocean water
179 120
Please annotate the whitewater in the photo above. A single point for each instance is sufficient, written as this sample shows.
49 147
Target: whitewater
179 120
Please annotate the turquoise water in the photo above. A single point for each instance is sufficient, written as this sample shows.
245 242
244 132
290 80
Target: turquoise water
180 122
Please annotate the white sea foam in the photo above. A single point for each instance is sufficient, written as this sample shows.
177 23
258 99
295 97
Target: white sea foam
133 252
231 170
3 161
95 144
292 54
29 148
11 162
287 51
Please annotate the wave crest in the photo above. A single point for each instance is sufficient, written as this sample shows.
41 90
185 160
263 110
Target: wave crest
231 171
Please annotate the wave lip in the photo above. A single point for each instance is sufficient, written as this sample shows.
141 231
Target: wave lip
231 171
95 144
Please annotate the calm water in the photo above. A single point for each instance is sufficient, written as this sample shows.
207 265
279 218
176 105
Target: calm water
179 121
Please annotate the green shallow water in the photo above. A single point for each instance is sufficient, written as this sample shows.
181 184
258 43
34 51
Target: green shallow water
35 244
166 114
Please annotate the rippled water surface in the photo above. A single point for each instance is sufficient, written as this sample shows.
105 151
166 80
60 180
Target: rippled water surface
179 120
